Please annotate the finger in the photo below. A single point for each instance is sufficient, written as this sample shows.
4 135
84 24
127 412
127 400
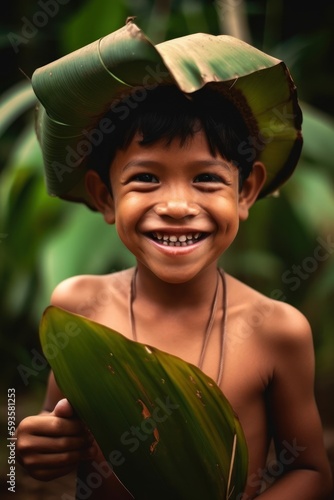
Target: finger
30 444
63 409
50 474
49 425
49 465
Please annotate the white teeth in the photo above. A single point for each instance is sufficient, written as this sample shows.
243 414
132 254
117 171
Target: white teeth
173 240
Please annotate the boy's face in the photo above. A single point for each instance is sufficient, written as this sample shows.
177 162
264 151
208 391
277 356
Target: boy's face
176 208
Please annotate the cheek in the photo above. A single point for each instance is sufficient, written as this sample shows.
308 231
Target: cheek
126 234
235 230
228 220
226 210
123 228
126 219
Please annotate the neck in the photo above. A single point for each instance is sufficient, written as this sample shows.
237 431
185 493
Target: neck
196 292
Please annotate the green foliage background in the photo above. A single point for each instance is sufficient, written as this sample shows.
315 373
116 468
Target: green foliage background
44 240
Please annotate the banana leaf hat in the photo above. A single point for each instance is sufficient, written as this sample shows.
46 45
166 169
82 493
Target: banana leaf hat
76 91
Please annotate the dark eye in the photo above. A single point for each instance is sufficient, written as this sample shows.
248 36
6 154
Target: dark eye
208 178
145 178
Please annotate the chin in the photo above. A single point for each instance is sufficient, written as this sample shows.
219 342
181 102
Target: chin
177 275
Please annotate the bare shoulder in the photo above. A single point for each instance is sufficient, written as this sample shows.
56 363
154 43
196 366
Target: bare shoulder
275 321
86 294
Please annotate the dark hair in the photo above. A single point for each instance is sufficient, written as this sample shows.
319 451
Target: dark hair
167 113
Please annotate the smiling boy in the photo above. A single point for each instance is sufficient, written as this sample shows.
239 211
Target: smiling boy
175 182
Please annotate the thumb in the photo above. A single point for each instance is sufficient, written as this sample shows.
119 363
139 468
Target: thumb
63 409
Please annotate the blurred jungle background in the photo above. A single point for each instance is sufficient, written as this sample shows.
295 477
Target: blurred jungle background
286 247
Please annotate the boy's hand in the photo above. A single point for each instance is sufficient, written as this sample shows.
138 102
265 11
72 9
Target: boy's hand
50 445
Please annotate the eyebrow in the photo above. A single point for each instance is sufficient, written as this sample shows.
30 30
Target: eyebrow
199 163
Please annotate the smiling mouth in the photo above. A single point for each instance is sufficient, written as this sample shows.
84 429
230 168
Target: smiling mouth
181 240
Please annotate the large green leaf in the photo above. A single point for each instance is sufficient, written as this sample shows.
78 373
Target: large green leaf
164 425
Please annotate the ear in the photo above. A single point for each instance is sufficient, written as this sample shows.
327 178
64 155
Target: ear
100 195
251 189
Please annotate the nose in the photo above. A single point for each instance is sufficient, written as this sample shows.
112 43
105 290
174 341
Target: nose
176 208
